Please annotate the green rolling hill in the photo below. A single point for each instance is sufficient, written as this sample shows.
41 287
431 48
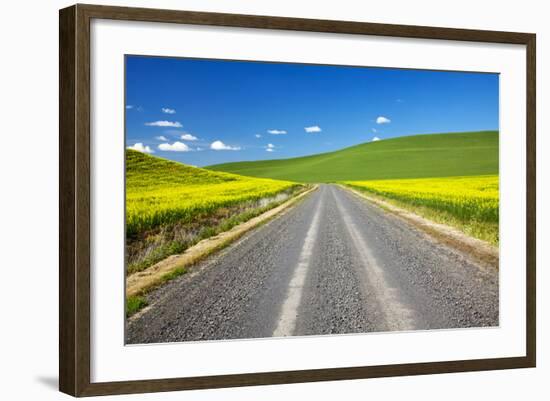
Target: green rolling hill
418 156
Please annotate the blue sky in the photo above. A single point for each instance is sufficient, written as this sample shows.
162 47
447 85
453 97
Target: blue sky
203 112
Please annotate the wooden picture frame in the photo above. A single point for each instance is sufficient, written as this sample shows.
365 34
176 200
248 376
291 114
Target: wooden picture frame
74 203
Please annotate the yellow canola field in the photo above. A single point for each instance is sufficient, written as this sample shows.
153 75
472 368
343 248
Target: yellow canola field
464 198
161 192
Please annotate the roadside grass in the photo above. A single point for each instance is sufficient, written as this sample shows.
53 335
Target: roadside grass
470 204
178 271
134 304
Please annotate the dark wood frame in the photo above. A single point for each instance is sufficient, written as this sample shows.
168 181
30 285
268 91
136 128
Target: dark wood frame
74 199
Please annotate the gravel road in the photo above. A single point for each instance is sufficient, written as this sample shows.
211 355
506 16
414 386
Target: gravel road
333 264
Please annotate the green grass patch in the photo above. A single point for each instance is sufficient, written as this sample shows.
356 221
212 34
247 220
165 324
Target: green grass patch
434 155
483 230
178 271
134 304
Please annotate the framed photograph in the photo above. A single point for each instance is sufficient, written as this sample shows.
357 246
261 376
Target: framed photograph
250 200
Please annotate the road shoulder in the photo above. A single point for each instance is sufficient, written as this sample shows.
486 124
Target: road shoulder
480 252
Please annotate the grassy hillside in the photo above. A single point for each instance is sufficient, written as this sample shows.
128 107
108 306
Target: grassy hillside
435 155
145 171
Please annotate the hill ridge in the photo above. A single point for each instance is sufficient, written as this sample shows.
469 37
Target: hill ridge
413 156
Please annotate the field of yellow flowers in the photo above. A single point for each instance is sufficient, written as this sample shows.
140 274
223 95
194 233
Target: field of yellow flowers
469 203
161 192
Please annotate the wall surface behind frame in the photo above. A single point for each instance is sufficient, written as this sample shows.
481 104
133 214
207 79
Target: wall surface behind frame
28 211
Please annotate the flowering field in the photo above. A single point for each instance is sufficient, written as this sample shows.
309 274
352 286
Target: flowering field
160 192
470 203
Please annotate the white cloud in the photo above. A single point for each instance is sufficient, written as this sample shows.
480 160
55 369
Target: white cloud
270 147
188 137
161 138
219 145
132 107
276 132
258 136
140 148
166 110
313 129
174 124
374 130
375 139
174 147
382 120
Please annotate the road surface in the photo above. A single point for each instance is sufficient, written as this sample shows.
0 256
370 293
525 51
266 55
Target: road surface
333 264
